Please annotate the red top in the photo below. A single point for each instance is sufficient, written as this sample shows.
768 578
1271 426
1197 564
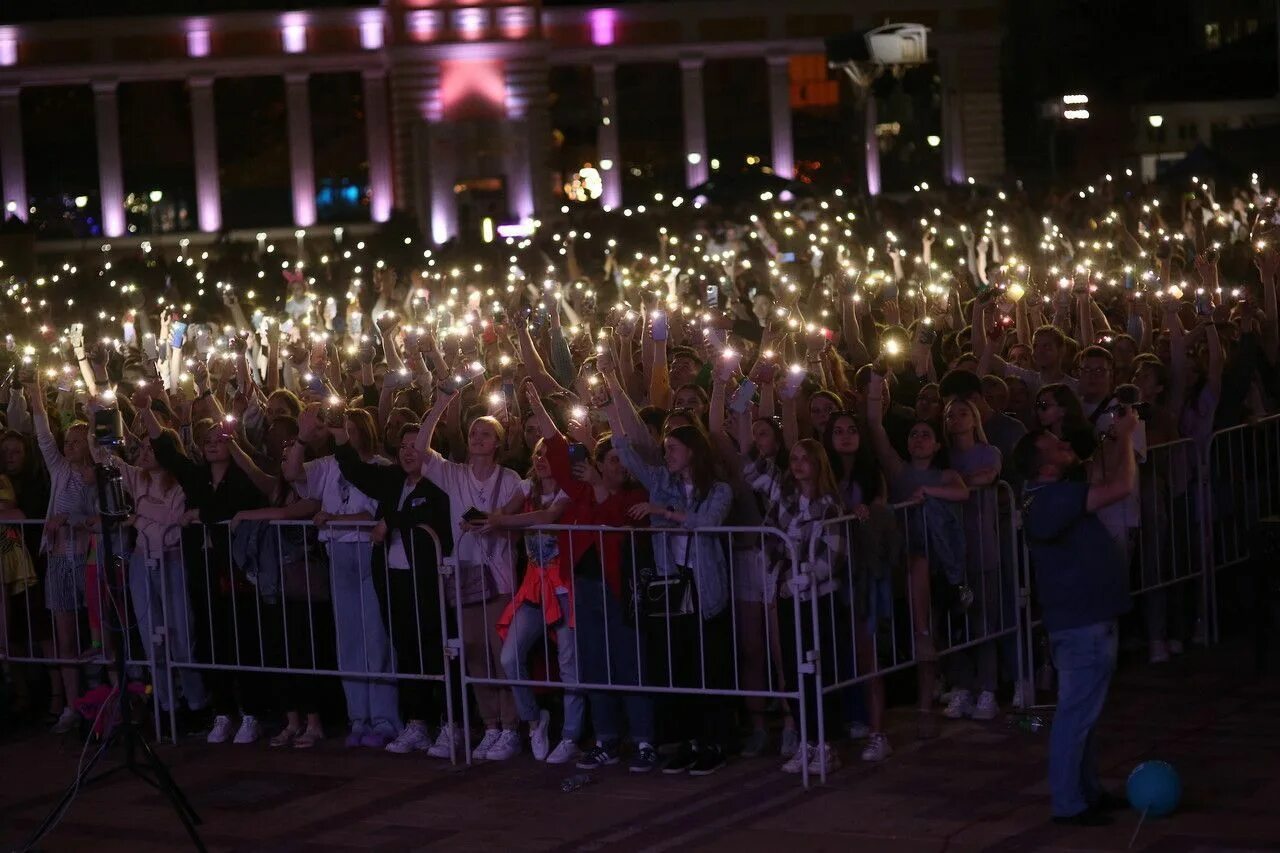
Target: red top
584 510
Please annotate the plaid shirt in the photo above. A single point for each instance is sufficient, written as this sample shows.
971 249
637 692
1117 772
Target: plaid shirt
819 544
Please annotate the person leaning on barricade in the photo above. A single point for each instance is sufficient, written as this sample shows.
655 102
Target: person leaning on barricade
1082 584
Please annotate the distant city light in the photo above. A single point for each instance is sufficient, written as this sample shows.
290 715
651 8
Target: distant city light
1155 120
1075 99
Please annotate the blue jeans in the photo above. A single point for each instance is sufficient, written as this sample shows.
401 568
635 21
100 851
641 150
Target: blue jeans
156 591
372 703
609 654
527 627
1085 658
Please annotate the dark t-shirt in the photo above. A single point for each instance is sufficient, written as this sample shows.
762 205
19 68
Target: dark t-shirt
1081 577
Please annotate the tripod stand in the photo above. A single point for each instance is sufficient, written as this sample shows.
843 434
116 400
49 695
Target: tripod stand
139 758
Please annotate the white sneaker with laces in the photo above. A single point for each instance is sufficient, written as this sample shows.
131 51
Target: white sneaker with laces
486 743
878 748
960 706
413 738
67 721
987 708
250 730
507 746
448 740
539 742
564 752
824 755
803 755
221 731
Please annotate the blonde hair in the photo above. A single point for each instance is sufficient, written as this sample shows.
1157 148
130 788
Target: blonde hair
979 434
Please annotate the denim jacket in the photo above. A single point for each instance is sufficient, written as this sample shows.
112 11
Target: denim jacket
710 572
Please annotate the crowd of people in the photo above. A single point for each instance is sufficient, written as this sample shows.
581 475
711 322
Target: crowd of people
809 367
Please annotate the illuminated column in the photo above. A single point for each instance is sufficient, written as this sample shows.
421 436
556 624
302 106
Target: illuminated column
517 162
871 144
952 120
784 157
106 113
301 158
11 161
377 130
204 134
695 121
441 162
607 135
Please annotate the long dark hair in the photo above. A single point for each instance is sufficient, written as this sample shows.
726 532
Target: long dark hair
783 457
702 465
865 471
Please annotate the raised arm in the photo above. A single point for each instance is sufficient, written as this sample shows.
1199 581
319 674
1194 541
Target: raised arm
262 481
889 458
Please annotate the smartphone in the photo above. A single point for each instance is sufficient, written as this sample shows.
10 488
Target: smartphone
473 515
177 334
742 398
928 334
1204 304
659 325
577 452
713 296
787 258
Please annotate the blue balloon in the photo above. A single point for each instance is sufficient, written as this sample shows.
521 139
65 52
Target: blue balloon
1154 788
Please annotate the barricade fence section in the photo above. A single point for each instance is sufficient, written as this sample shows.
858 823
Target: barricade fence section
657 629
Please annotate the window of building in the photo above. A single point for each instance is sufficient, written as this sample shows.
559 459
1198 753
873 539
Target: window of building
1212 35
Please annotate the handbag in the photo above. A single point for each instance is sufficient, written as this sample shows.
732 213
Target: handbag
660 596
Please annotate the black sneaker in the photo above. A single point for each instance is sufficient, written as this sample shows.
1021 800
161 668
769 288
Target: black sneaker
645 759
681 760
598 756
709 760
1088 817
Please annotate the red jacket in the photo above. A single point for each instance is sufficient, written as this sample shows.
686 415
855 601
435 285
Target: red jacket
584 510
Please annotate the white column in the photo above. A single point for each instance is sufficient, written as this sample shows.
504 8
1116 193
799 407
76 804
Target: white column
607 148
695 121
204 135
12 163
441 161
953 169
784 154
377 129
871 147
518 164
302 168
106 113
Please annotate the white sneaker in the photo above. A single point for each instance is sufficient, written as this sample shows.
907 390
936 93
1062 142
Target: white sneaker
564 752
486 743
221 731
1159 651
960 706
413 738
448 741
987 707
859 731
878 748
539 743
824 755
67 721
507 746
250 730
804 755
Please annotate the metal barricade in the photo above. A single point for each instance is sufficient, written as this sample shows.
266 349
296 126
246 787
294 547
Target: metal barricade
630 633
61 612
268 606
909 593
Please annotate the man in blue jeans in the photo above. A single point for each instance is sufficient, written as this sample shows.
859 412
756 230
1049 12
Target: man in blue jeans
1082 586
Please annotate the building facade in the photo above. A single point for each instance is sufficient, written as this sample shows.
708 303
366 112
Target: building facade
456 95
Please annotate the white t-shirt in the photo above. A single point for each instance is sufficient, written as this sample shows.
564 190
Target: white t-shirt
1034 382
678 545
465 492
325 483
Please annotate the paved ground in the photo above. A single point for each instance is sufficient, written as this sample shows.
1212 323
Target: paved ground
979 787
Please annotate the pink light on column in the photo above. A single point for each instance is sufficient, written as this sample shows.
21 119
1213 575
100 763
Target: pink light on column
424 24
470 22
515 22
603 24
197 43
371 31
293 32
8 47
472 88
